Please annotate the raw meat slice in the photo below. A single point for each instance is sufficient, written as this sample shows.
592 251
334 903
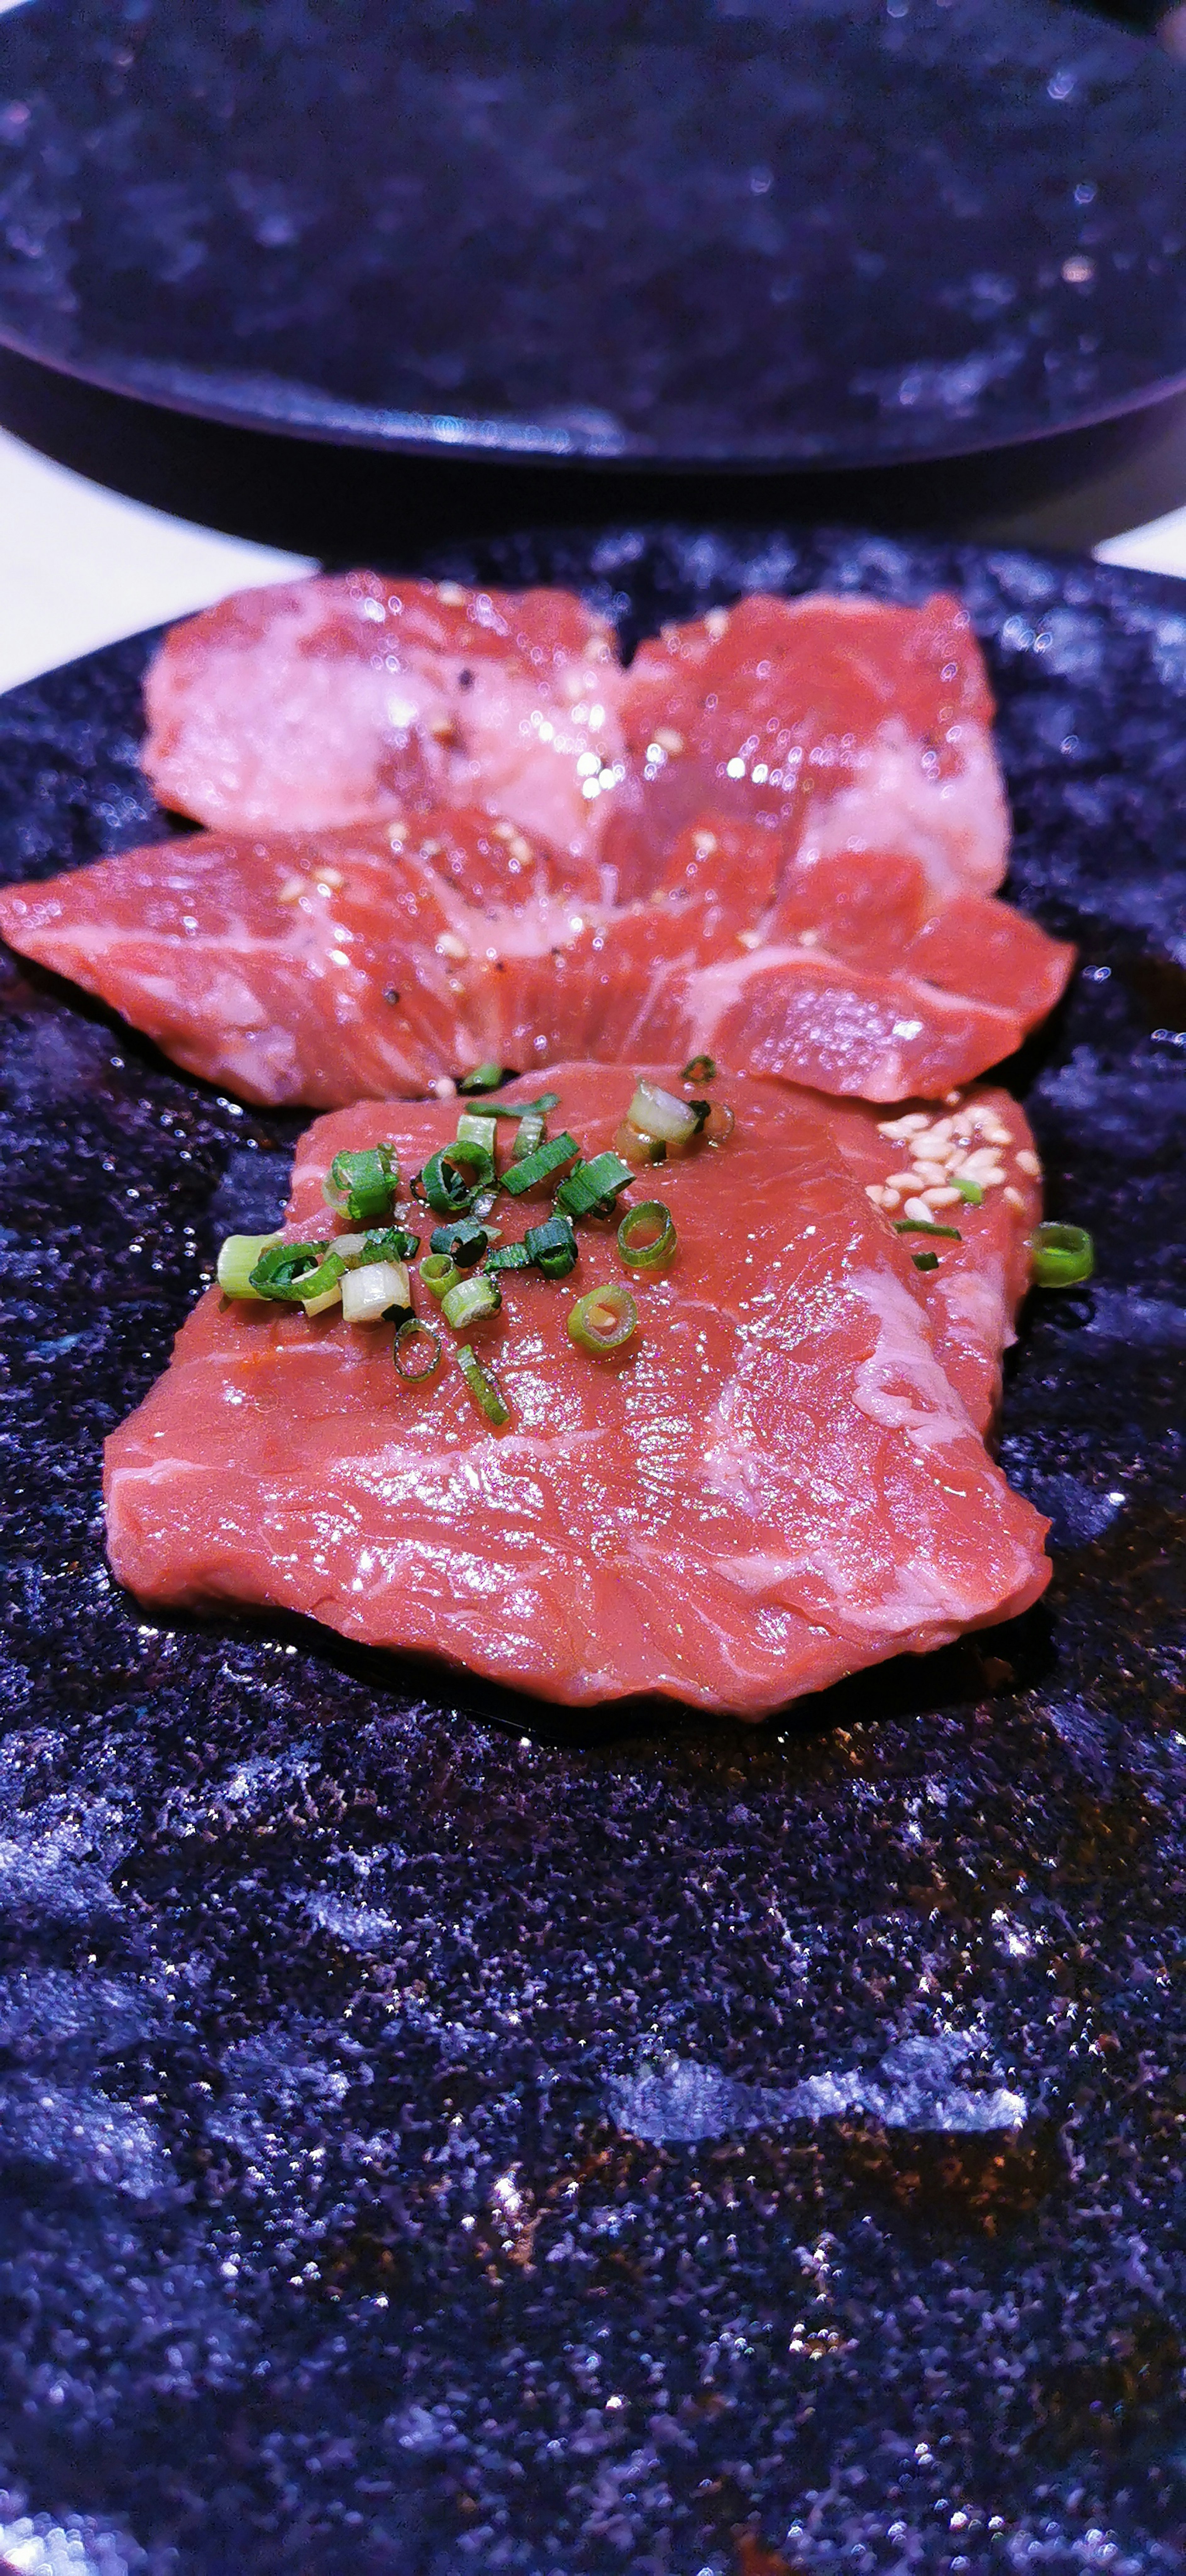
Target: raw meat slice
848 724
974 1294
347 697
271 964
775 1484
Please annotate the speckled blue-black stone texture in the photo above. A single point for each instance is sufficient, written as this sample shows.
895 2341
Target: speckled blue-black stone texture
435 2138
793 233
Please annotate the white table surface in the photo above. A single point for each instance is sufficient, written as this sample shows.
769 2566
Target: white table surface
81 566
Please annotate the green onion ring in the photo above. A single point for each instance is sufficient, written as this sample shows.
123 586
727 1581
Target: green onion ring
468 1301
484 1389
464 1241
594 1188
540 1165
406 1338
443 1180
363 1186
603 1320
969 1190
700 1069
236 1261
646 1236
285 1271
439 1273
925 1260
1062 1255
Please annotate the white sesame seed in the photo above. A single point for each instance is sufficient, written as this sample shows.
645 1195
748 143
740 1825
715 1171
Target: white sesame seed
716 623
450 594
669 740
292 890
941 1198
899 1181
929 1173
918 1209
1027 1162
749 938
331 877
449 945
991 1180
875 1191
443 1089
1015 1198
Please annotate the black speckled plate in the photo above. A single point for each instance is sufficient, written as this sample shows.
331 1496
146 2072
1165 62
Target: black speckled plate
437 2138
710 233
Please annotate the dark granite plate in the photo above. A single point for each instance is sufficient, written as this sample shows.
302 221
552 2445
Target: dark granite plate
748 233
438 2138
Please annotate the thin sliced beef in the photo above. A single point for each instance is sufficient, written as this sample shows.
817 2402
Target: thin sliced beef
348 697
327 967
845 724
774 1485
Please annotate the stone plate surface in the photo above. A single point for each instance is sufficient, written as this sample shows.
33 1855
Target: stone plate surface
709 233
437 2135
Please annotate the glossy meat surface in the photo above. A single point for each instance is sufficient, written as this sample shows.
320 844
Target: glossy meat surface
847 725
348 696
321 968
854 726
774 1485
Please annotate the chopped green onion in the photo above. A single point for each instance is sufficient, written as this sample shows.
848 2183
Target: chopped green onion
464 1241
237 1260
409 1336
529 1136
701 1069
485 1077
659 1114
285 1269
472 1130
925 1260
394 1244
363 1186
915 1225
509 1256
469 1300
638 1149
604 1320
484 1389
1063 1255
452 1177
376 1291
552 1246
439 1273
719 1124
539 1166
515 1108
647 1237
593 1189
969 1190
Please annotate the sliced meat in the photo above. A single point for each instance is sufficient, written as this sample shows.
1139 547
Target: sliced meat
347 697
848 725
917 1159
773 1485
270 963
